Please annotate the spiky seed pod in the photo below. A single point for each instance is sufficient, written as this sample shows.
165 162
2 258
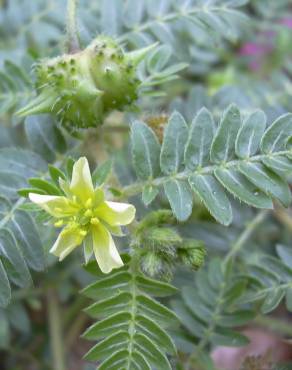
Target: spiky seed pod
81 88
192 253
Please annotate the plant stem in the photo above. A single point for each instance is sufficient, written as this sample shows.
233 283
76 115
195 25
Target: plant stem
235 248
276 325
73 42
137 187
245 235
55 327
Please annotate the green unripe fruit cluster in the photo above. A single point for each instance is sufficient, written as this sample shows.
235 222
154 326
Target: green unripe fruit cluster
81 88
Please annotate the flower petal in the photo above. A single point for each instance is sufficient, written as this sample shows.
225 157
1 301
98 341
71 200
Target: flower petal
106 253
116 214
87 247
68 239
56 206
81 182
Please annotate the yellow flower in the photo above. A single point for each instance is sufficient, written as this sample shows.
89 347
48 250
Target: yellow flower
87 218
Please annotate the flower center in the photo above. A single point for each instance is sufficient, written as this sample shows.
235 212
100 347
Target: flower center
84 218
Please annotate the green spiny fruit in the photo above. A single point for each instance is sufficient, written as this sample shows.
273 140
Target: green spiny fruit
81 88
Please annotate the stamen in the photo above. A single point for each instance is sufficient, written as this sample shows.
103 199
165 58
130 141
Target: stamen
59 223
94 221
88 203
88 213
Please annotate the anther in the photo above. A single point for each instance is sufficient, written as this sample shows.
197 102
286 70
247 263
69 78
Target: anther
94 221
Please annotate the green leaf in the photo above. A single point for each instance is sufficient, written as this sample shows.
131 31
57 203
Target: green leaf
280 164
131 330
156 311
223 145
277 135
145 151
155 287
272 300
13 259
149 349
44 136
110 305
194 325
243 189
101 173
26 234
22 162
232 157
226 337
238 318
288 294
56 174
104 286
45 186
158 58
10 183
267 181
115 361
180 198
108 326
285 253
250 134
149 194
172 150
149 328
5 291
200 138
115 342
213 196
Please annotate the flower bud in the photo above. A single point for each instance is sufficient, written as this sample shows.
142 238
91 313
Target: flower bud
155 265
192 253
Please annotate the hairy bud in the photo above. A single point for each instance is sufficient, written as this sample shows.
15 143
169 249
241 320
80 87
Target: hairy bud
81 88
156 265
192 254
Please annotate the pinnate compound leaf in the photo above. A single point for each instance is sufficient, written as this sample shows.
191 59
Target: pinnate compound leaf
132 326
242 160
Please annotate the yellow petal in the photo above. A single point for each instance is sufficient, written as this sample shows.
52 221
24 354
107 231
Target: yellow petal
81 182
116 214
67 240
115 230
56 206
106 253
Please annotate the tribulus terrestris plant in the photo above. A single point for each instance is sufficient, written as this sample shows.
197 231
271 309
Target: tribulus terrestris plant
145 177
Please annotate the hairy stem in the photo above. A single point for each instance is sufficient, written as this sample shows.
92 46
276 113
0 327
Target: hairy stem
55 327
137 188
245 235
73 42
234 250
